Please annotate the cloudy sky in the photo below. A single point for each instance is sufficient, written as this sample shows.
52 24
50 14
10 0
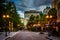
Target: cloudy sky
23 5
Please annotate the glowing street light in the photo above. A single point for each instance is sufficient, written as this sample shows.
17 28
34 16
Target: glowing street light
47 16
6 16
50 16
3 16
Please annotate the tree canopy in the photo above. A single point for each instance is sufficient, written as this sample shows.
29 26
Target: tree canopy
53 12
9 8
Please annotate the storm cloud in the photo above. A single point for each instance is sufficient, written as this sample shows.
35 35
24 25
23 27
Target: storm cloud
28 4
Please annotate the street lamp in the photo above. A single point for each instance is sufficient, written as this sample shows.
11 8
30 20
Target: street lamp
49 16
3 16
6 16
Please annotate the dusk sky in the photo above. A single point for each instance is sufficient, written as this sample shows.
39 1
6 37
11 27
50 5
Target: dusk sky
24 5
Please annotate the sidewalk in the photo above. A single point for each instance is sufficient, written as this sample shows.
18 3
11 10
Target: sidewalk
2 36
11 34
53 38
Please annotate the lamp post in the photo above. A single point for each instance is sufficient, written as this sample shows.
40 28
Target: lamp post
49 19
50 24
6 16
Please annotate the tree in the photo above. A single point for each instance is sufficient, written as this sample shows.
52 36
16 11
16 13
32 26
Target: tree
53 12
30 23
31 20
41 16
14 15
46 9
37 19
2 8
9 8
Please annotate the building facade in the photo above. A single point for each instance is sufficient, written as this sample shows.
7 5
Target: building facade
27 15
56 4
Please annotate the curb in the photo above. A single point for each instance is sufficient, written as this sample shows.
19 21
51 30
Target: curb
10 36
6 38
52 38
49 38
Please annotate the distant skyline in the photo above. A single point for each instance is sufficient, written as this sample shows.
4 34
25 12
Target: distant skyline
23 5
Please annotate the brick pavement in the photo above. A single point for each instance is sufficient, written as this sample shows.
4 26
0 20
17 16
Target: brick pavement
26 35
